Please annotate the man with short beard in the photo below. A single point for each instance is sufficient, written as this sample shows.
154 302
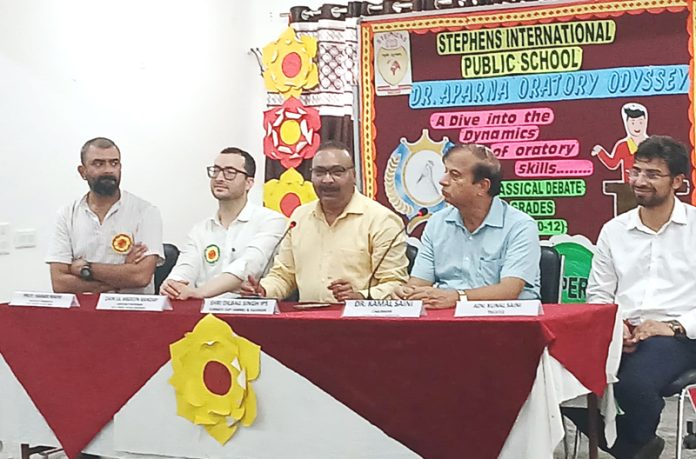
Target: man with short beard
645 263
108 240
237 242
338 241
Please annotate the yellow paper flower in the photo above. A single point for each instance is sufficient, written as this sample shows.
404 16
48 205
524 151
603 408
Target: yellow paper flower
213 369
289 64
288 192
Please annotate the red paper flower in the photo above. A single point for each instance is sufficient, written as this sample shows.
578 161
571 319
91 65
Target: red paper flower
292 133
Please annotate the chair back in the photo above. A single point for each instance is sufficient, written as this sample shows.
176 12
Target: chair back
171 254
551 267
411 254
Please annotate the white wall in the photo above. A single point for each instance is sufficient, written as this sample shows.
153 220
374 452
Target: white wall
170 81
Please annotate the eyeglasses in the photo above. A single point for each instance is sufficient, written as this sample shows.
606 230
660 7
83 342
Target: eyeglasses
336 172
649 174
228 172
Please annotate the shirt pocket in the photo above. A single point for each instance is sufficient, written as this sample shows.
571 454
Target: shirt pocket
353 263
489 270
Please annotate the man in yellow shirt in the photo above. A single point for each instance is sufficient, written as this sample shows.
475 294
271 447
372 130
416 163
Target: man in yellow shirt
338 241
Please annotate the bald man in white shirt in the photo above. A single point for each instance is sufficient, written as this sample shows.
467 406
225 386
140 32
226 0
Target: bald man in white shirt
645 263
108 240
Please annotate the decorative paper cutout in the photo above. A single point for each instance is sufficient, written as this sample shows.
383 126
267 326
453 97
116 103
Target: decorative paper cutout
635 121
552 226
583 84
289 64
551 168
526 37
121 243
292 133
484 118
411 179
213 370
536 208
540 149
577 252
392 63
545 60
542 188
288 192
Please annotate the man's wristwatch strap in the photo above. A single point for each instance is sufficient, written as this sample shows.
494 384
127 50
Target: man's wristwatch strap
677 327
86 272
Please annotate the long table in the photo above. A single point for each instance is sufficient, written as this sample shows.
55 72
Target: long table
437 386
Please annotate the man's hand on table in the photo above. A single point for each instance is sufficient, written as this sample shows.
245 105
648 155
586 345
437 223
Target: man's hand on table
172 288
343 290
251 287
434 298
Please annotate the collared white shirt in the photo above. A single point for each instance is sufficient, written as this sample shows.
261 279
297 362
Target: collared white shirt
78 234
242 249
650 275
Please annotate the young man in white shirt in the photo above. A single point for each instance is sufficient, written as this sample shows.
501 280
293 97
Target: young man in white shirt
645 263
108 240
236 243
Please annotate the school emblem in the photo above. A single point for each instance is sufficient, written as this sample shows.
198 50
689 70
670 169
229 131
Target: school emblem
122 243
412 176
212 253
392 63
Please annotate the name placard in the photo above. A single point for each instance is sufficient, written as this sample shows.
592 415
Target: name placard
498 308
45 300
383 308
126 302
259 306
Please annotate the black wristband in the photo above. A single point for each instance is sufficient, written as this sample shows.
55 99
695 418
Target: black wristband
86 272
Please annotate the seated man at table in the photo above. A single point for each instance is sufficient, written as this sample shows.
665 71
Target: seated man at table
222 251
333 253
108 240
645 263
479 247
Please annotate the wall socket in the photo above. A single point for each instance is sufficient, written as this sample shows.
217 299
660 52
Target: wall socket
5 239
25 238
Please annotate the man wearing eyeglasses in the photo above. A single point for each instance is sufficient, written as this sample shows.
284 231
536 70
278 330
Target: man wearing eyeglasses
645 263
108 240
235 243
338 241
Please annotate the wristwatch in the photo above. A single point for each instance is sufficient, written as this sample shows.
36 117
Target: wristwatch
676 327
462 295
86 272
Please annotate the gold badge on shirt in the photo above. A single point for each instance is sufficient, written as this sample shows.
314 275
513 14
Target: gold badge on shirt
212 253
121 243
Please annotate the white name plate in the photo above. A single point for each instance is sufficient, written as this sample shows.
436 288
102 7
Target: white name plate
383 308
45 300
258 306
498 308
126 302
